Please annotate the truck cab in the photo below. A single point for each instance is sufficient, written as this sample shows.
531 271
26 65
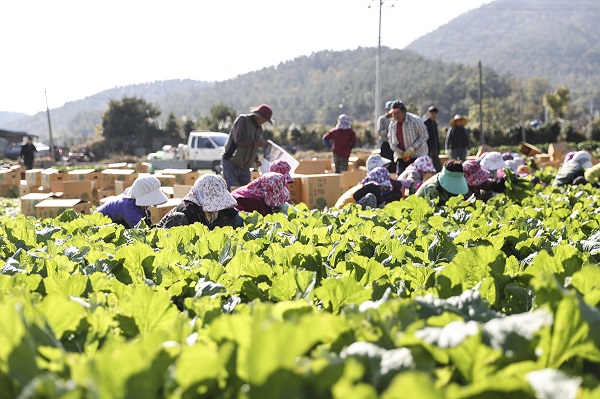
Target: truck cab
204 150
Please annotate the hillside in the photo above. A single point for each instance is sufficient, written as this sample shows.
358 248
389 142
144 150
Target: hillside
554 39
309 89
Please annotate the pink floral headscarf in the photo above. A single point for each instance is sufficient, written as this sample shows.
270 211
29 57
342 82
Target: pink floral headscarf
474 174
271 188
281 166
379 175
424 164
343 122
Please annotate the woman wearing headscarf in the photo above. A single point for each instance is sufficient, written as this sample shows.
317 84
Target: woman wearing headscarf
282 167
573 169
416 173
370 191
340 140
265 195
208 202
477 179
132 205
449 182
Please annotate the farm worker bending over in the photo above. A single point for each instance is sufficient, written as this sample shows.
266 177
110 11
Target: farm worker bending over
265 195
371 191
449 182
241 149
130 207
208 202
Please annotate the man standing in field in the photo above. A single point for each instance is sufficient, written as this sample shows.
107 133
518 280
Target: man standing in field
407 136
28 153
383 123
433 142
241 150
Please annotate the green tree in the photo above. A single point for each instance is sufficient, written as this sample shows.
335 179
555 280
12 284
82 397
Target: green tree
220 119
557 102
130 118
188 125
172 127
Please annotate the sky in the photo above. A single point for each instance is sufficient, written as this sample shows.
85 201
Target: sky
66 50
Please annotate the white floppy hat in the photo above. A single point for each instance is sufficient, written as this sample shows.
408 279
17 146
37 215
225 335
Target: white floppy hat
375 161
146 191
492 161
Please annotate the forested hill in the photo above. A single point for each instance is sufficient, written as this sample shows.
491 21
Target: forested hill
308 89
555 39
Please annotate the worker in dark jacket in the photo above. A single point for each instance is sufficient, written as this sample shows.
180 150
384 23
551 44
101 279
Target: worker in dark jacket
28 153
433 142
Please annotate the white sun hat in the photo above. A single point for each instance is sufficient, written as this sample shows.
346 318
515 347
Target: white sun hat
492 161
375 161
146 191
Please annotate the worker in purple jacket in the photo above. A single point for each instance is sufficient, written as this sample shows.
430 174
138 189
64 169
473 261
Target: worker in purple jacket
130 207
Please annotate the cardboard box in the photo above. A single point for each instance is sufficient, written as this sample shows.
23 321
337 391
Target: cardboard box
121 185
29 201
52 179
24 189
166 180
350 179
73 189
541 158
296 189
443 158
10 177
9 190
109 176
157 212
103 193
182 176
557 151
181 190
529 150
168 191
321 190
143 167
118 165
482 150
309 167
51 207
84 174
33 177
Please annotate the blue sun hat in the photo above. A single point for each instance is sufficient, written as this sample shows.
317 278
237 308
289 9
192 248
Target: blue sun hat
453 182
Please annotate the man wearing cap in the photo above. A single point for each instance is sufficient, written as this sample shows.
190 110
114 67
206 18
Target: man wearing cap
383 123
433 142
407 135
241 150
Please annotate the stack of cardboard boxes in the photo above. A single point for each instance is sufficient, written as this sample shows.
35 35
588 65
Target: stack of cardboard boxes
10 180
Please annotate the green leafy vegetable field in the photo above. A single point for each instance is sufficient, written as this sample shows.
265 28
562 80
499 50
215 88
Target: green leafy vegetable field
472 300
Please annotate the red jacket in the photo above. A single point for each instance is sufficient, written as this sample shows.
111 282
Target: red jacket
343 141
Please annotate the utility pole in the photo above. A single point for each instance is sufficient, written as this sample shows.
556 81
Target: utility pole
49 126
481 105
377 61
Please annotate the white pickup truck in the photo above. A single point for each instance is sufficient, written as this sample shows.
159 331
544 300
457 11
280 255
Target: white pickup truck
203 151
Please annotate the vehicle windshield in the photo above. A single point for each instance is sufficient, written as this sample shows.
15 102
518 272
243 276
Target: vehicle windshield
219 140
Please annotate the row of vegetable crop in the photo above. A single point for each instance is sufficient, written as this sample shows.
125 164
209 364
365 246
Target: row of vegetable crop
469 300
